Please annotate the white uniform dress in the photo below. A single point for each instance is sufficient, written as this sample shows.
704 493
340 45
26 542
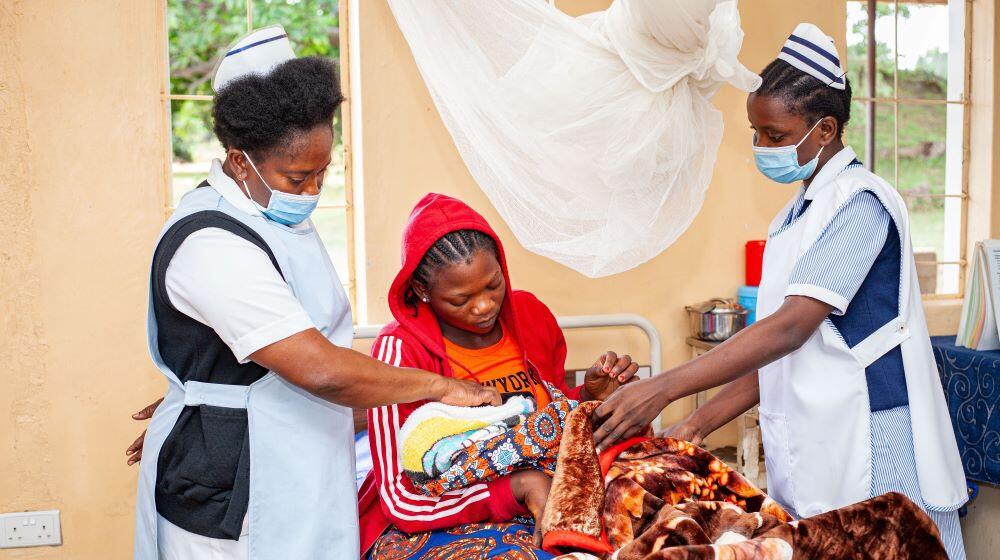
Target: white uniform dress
229 284
850 257
212 277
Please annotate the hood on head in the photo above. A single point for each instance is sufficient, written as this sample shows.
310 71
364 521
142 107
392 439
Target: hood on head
433 217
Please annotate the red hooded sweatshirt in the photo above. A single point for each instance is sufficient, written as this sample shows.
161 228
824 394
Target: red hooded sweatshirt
414 340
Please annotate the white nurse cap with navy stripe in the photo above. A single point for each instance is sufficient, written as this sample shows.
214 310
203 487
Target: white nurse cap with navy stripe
813 52
257 52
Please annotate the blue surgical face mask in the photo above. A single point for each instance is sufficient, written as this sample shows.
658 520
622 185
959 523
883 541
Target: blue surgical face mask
284 208
781 164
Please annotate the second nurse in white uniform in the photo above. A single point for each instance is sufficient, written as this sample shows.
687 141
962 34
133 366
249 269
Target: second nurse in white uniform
851 405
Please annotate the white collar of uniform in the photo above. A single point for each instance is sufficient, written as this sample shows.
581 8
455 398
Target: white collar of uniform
833 167
229 190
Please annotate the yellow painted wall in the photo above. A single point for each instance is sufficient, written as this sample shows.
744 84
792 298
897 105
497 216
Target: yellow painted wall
81 200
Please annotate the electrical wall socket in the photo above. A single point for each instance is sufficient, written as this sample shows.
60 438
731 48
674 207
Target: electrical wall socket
30 528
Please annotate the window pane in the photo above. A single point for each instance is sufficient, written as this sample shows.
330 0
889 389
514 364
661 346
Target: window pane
922 130
857 48
333 181
930 153
313 26
193 143
936 279
197 31
922 149
854 133
331 223
857 33
927 229
885 142
856 136
924 45
928 232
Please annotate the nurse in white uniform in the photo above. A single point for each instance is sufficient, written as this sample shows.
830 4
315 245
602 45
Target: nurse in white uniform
251 452
851 405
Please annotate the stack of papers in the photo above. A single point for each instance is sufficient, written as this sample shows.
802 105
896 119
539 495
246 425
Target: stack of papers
977 328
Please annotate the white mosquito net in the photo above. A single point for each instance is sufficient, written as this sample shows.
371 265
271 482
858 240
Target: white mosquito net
594 137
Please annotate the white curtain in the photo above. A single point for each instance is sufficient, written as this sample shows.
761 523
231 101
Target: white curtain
594 137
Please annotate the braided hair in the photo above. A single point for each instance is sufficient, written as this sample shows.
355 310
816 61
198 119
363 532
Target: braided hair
459 246
805 95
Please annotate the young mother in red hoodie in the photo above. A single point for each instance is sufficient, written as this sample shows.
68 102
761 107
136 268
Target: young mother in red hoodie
455 314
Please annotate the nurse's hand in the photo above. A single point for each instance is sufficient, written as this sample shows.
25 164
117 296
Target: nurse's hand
627 412
134 451
685 430
608 373
463 392
531 488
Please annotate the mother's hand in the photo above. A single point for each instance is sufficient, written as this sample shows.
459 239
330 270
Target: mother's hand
531 488
627 412
608 373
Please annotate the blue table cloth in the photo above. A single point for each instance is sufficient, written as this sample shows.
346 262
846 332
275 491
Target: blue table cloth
970 379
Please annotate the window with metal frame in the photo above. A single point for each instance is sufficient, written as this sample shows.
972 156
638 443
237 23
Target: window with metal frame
908 63
197 31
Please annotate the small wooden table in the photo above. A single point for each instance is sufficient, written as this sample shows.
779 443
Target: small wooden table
749 455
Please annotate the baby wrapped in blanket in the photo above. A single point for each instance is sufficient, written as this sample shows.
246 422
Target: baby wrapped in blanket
448 447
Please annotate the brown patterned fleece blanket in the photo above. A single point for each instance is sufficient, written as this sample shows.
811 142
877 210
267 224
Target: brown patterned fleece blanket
666 499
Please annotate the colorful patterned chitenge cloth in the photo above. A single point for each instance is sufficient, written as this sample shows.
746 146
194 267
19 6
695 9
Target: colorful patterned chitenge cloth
435 432
447 448
440 456
476 541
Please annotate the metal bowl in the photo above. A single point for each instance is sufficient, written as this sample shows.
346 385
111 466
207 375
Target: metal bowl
716 320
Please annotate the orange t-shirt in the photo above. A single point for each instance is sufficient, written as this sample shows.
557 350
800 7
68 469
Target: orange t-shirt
501 366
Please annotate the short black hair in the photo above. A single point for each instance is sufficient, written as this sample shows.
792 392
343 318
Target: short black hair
805 95
258 113
458 246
